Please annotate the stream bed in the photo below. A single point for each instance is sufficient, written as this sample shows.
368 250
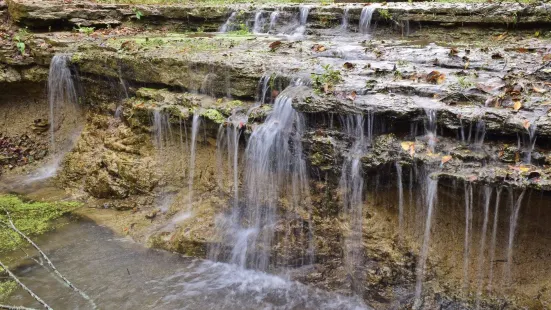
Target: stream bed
118 273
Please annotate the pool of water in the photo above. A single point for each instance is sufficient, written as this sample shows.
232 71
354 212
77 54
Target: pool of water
118 273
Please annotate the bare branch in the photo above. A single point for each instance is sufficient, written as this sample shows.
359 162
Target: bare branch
15 307
47 259
23 286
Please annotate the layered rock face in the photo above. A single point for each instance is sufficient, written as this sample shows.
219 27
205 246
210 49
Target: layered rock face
395 156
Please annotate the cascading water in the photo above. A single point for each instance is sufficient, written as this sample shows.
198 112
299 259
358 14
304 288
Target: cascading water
274 170
513 220
228 24
351 185
273 21
430 128
400 198
302 20
482 251
430 201
493 241
345 17
259 21
61 91
194 130
365 18
468 229
529 142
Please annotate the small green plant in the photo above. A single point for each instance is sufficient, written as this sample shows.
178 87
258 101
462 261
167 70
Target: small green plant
464 82
85 30
137 13
327 80
242 30
385 14
19 38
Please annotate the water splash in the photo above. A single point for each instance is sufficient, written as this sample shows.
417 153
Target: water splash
430 200
365 18
227 26
61 91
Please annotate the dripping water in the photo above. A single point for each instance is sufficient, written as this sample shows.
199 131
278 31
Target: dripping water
430 200
430 128
194 130
345 17
61 92
468 229
513 220
400 198
493 242
273 21
482 251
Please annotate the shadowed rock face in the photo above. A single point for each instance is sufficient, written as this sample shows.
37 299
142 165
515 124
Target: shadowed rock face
470 105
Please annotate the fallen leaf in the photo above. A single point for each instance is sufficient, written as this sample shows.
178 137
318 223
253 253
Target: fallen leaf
446 159
539 90
352 96
318 48
522 50
406 145
501 36
526 124
348 65
546 57
517 105
453 51
436 77
275 45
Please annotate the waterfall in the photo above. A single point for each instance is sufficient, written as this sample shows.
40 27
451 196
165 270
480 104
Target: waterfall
302 19
529 142
493 242
468 229
61 91
430 200
482 252
273 21
274 170
513 220
258 25
194 130
228 24
480 133
345 16
430 128
351 185
400 198
365 18
227 141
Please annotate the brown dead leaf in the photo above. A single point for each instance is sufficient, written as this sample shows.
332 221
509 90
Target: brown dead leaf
436 77
348 65
526 124
501 36
538 89
275 45
352 96
318 48
546 57
453 51
517 105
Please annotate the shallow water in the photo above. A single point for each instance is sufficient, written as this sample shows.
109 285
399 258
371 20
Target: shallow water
118 273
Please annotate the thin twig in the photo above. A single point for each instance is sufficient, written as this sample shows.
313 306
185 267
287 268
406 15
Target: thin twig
15 307
48 261
23 286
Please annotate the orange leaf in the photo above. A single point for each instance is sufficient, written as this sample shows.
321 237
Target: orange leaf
352 95
526 124
517 105
446 159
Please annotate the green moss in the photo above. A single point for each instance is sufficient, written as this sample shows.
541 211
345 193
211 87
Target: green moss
213 115
6 288
30 217
228 107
